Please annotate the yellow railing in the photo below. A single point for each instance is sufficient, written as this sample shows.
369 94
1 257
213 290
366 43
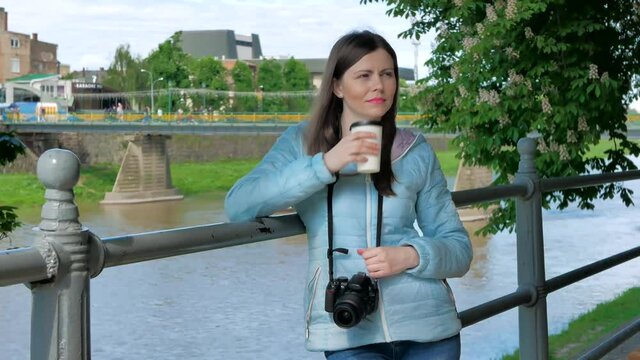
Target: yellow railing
99 116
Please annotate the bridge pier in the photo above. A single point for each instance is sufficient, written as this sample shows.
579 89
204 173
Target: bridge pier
144 174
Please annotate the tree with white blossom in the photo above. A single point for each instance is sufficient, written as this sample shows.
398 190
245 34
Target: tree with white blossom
564 70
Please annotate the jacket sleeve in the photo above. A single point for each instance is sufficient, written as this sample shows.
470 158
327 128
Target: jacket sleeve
284 177
444 248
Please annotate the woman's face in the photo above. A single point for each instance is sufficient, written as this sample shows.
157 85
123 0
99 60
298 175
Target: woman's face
367 88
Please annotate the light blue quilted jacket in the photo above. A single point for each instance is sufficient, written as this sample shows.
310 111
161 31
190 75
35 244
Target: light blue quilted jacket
416 305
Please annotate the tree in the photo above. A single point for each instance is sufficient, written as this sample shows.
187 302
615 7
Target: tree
270 80
407 99
562 69
243 83
210 73
10 148
297 78
171 63
124 72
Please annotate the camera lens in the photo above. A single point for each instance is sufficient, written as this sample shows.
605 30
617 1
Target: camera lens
349 310
346 317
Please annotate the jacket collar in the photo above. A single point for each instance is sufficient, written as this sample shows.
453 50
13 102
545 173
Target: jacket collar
402 142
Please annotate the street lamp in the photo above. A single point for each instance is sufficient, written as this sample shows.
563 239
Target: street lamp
152 83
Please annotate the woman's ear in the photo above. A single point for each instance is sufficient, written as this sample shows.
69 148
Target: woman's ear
337 88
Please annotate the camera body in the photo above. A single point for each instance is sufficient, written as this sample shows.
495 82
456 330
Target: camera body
351 300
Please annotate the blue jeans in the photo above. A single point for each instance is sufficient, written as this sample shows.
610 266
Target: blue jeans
446 349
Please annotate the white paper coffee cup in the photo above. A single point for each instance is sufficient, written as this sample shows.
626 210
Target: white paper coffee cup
373 161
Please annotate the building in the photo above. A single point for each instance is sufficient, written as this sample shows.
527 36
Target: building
22 54
220 44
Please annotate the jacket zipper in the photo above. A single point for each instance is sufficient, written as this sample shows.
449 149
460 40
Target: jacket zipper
314 281
369 221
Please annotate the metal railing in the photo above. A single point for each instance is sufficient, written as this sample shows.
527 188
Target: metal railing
60 264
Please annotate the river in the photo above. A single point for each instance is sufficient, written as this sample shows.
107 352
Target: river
245 302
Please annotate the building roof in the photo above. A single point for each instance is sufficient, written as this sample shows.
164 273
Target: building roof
221 44
30 77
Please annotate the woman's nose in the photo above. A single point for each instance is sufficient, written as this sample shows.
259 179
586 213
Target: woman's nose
376 82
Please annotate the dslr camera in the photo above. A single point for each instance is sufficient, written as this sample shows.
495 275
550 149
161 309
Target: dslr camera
351 300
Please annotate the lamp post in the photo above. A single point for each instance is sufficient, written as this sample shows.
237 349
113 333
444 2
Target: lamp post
204 102
169 85
152 83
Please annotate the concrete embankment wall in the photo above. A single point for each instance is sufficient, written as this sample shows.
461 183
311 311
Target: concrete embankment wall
107 148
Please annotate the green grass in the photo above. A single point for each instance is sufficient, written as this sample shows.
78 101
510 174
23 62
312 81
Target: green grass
24 190
448 162
588 329
218 176
20 190
598 150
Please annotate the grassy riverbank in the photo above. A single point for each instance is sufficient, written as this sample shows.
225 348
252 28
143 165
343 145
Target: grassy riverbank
589 328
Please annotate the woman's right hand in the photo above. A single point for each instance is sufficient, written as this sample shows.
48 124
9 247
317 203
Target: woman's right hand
351 148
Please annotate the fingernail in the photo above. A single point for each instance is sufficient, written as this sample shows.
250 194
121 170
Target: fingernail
360 251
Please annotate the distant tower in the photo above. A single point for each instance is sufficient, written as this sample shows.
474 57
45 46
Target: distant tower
416 44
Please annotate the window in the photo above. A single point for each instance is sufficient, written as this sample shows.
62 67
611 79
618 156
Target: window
15 65
15 43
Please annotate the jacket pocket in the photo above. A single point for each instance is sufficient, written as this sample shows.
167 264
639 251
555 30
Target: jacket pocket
312 289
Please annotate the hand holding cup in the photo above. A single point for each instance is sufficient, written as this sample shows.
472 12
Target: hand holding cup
357 146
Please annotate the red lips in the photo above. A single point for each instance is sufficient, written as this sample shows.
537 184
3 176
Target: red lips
376 100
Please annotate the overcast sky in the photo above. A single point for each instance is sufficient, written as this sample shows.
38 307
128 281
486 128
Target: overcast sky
88 31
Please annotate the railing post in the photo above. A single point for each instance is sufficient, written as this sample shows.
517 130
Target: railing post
532 318
60 313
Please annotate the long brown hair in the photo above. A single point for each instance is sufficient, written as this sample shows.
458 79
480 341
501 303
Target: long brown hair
323 132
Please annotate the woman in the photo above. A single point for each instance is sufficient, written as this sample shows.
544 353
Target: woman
406 310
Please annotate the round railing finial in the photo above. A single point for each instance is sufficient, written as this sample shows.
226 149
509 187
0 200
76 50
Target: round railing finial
527 146
58 169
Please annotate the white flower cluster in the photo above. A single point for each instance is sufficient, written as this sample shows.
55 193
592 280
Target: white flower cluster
564 154
489 96
458 2
553 147
443 30
605 76
491 13
571 137
504 121
479 28
582 124
528 33
515 78
455 73
511 11
593 71
469 42
512 54
463 92
546 106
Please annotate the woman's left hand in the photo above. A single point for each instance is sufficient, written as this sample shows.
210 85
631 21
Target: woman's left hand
389 260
